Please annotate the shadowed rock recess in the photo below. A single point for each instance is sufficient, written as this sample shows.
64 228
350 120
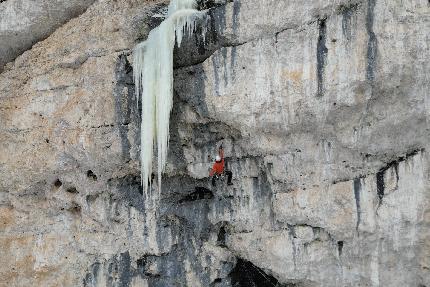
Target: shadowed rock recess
323 110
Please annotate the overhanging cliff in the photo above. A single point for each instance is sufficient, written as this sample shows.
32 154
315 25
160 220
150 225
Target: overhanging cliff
323 110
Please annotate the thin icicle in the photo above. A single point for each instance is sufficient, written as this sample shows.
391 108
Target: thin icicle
153 77
139 51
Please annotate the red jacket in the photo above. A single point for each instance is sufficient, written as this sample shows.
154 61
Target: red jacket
218 167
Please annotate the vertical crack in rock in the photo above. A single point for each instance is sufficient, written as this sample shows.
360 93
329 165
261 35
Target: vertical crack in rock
221 237
380 175
224 59
266 188
124 265
340 247
372 45
141 264
347 13
293 236
236 11
346 23
380 185
124 106
357 190
127 189
216 75
91 277
321 55
117 272
372 50
233 53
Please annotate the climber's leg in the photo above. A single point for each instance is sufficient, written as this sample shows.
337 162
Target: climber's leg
229 177
213 180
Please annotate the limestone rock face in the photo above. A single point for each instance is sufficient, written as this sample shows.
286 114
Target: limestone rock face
323 110
25 22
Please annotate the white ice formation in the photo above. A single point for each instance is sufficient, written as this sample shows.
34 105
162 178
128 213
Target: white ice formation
153 77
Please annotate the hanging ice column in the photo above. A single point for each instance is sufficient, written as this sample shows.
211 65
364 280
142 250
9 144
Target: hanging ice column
153 77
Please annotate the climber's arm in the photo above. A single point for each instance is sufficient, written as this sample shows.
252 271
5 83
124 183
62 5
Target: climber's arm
212 171
221 152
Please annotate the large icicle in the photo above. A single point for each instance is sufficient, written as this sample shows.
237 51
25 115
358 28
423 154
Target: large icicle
153 77
176 5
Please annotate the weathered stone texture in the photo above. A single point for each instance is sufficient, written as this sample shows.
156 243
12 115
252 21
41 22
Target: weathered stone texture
23 23
322 107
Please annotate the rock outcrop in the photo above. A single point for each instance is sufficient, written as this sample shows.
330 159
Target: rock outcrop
323 109
24 23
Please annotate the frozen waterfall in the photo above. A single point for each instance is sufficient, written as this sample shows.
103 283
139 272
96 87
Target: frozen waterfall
153 77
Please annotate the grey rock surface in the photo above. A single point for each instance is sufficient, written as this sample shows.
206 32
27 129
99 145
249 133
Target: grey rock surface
24 22
322 107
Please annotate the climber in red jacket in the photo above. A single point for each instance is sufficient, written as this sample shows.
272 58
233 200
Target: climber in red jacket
218 168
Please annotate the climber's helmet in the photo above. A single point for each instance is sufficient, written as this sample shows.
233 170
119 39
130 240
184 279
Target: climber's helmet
217 158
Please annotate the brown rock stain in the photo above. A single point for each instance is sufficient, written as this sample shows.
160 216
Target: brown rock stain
7 217
294 76
71 104
17 256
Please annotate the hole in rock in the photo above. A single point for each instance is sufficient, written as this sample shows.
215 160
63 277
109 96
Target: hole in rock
75 208
221 237
58 183
246 274
72 190
141 263
91 198
198 193
340 247
91 175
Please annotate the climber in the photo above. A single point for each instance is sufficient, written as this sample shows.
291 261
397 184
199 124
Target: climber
218 168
